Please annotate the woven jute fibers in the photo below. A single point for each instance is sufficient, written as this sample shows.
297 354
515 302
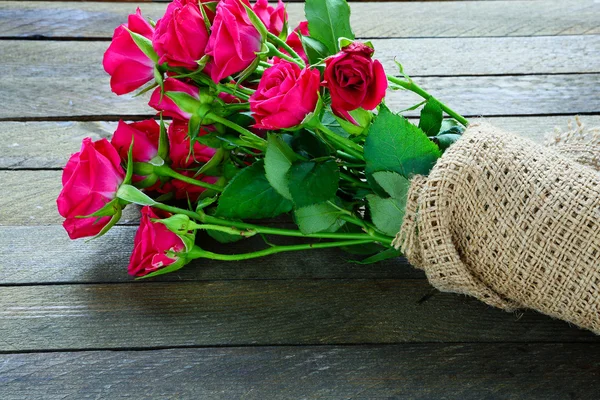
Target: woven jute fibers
512 223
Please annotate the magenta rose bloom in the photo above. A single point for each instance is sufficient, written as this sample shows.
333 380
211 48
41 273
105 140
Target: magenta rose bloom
273 17
293 40
90 179
285 95
181 35
233 42
145 136
151 243
179 146
354 80
168 106
128 67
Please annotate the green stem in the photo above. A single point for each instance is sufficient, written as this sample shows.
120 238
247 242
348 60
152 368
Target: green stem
287 48
347 146
197 252
260 142
274 52
355 182
165 170
413 87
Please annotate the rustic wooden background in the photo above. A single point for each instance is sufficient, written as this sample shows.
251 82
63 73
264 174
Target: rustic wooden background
73 325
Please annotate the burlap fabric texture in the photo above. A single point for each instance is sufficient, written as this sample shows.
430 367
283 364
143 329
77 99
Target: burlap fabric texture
512 223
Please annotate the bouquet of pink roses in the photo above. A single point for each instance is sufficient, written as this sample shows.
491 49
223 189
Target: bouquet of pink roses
263 121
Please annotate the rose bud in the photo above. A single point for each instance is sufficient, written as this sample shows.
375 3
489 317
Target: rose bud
285 95
294 41
181 35
163 103
184 190
145 136
179 146
154 245
354 80
129 68
234 41
90 180
273 18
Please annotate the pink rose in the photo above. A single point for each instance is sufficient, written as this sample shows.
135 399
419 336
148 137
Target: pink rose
128 67
273 18
151 243
145 136
90 179
294 41
168 106
179 146
233 42
184 190
354 80
181 35
285 95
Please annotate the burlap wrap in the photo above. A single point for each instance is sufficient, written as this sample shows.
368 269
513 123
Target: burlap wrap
512 223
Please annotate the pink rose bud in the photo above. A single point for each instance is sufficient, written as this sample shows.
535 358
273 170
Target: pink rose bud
168 106
145 136
181 35
90 179
184 190
285 95
233 42
127 65
294 41
179 146
154 245
354 80
273 18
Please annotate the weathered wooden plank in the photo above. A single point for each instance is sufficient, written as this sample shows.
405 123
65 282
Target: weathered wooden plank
430 371
242 312
90 96
420 57
46 255
31 145
418 19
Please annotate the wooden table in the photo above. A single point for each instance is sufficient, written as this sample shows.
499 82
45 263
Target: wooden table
73 325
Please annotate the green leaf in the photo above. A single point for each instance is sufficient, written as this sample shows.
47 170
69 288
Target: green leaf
445 140
184 101
311 182
387 214
279 158
314 49
317 217
328 20
394 184
394 144
431 118
134 195
145 45
307 144
250 195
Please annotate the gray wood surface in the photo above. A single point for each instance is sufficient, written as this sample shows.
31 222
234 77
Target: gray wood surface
89 97
48 256
258 312
414 19
408 371
48 145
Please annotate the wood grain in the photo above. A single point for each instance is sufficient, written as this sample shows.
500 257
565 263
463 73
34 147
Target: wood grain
48 256
373 20
409 371
38 145
90 97
420 57
220 313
